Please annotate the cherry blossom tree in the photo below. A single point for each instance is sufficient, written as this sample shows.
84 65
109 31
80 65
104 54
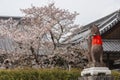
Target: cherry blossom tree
57 22
40 31
50 24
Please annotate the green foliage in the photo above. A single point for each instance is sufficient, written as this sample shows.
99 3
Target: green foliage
116 75
39 74
44 74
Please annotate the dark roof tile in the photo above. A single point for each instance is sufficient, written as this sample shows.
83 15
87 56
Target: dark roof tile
111 45
7 17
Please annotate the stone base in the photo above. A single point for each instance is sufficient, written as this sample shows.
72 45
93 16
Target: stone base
96 71
96 78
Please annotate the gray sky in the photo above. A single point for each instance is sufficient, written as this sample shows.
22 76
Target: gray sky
89 10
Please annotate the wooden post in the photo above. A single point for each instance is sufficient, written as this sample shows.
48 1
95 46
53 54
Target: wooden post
108 59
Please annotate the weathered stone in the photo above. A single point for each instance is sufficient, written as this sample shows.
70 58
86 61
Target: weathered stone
96 71
96 78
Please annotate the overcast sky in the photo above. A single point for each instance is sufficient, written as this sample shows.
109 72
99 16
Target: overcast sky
89 10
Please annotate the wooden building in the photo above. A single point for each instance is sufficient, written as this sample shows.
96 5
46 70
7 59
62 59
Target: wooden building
109 27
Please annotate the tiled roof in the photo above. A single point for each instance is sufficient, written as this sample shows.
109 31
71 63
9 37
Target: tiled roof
104 25
13 17
111 45
6 44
